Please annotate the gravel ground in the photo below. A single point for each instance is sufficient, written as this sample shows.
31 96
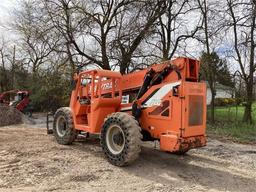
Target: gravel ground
31 160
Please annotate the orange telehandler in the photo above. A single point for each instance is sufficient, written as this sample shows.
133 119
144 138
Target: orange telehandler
165 102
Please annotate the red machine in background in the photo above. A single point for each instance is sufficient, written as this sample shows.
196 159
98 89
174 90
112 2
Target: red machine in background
18 99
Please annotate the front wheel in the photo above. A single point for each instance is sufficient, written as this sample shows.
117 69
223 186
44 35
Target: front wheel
28 113
63 126
121 139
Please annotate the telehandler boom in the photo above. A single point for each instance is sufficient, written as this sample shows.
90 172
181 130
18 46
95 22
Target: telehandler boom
165 102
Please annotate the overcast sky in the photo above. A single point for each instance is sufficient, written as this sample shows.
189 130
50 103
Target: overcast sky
6 6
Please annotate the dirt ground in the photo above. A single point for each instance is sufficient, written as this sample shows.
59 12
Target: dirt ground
31 160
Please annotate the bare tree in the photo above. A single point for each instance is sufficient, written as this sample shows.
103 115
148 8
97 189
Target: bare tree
173 27
3 68
38 40
94 30
208 65
243 25
211 32
133 30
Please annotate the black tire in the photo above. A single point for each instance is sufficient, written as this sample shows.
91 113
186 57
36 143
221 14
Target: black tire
180 152
28 113
127 143
49 131
63 126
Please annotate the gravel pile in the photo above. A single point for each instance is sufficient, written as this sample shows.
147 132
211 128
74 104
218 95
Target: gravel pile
11 116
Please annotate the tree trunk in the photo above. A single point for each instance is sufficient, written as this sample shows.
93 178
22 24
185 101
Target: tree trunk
105 61
248 112
249 84
13 68
248 107
126 59
123 68
212 106
71 61
165 55
5 82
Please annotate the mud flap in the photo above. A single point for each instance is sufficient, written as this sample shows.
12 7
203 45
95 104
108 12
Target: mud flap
172 143
169 143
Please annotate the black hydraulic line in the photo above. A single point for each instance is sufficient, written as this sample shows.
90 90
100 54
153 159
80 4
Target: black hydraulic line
152 78
136 111
163 74
147 79
178 73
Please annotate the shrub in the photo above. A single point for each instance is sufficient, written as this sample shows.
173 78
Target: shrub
227 101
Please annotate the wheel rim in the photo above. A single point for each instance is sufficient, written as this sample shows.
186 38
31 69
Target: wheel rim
115 139
61 126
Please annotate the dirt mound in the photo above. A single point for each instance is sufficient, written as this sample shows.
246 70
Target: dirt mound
11 116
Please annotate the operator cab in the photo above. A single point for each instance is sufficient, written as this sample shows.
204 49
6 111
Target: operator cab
85 99
18 98
94 90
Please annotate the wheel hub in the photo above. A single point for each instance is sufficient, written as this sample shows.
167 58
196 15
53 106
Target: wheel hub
61 126
115 139
118 139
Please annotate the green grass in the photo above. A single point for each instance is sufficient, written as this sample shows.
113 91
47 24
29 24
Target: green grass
229 124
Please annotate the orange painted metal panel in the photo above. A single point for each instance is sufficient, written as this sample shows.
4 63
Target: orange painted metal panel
173 111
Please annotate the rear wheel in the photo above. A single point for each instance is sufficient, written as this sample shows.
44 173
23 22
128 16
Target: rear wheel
121 139
63 126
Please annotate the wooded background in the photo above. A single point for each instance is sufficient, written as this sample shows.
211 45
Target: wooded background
55 37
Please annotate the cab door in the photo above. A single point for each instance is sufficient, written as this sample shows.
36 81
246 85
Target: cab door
193 109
